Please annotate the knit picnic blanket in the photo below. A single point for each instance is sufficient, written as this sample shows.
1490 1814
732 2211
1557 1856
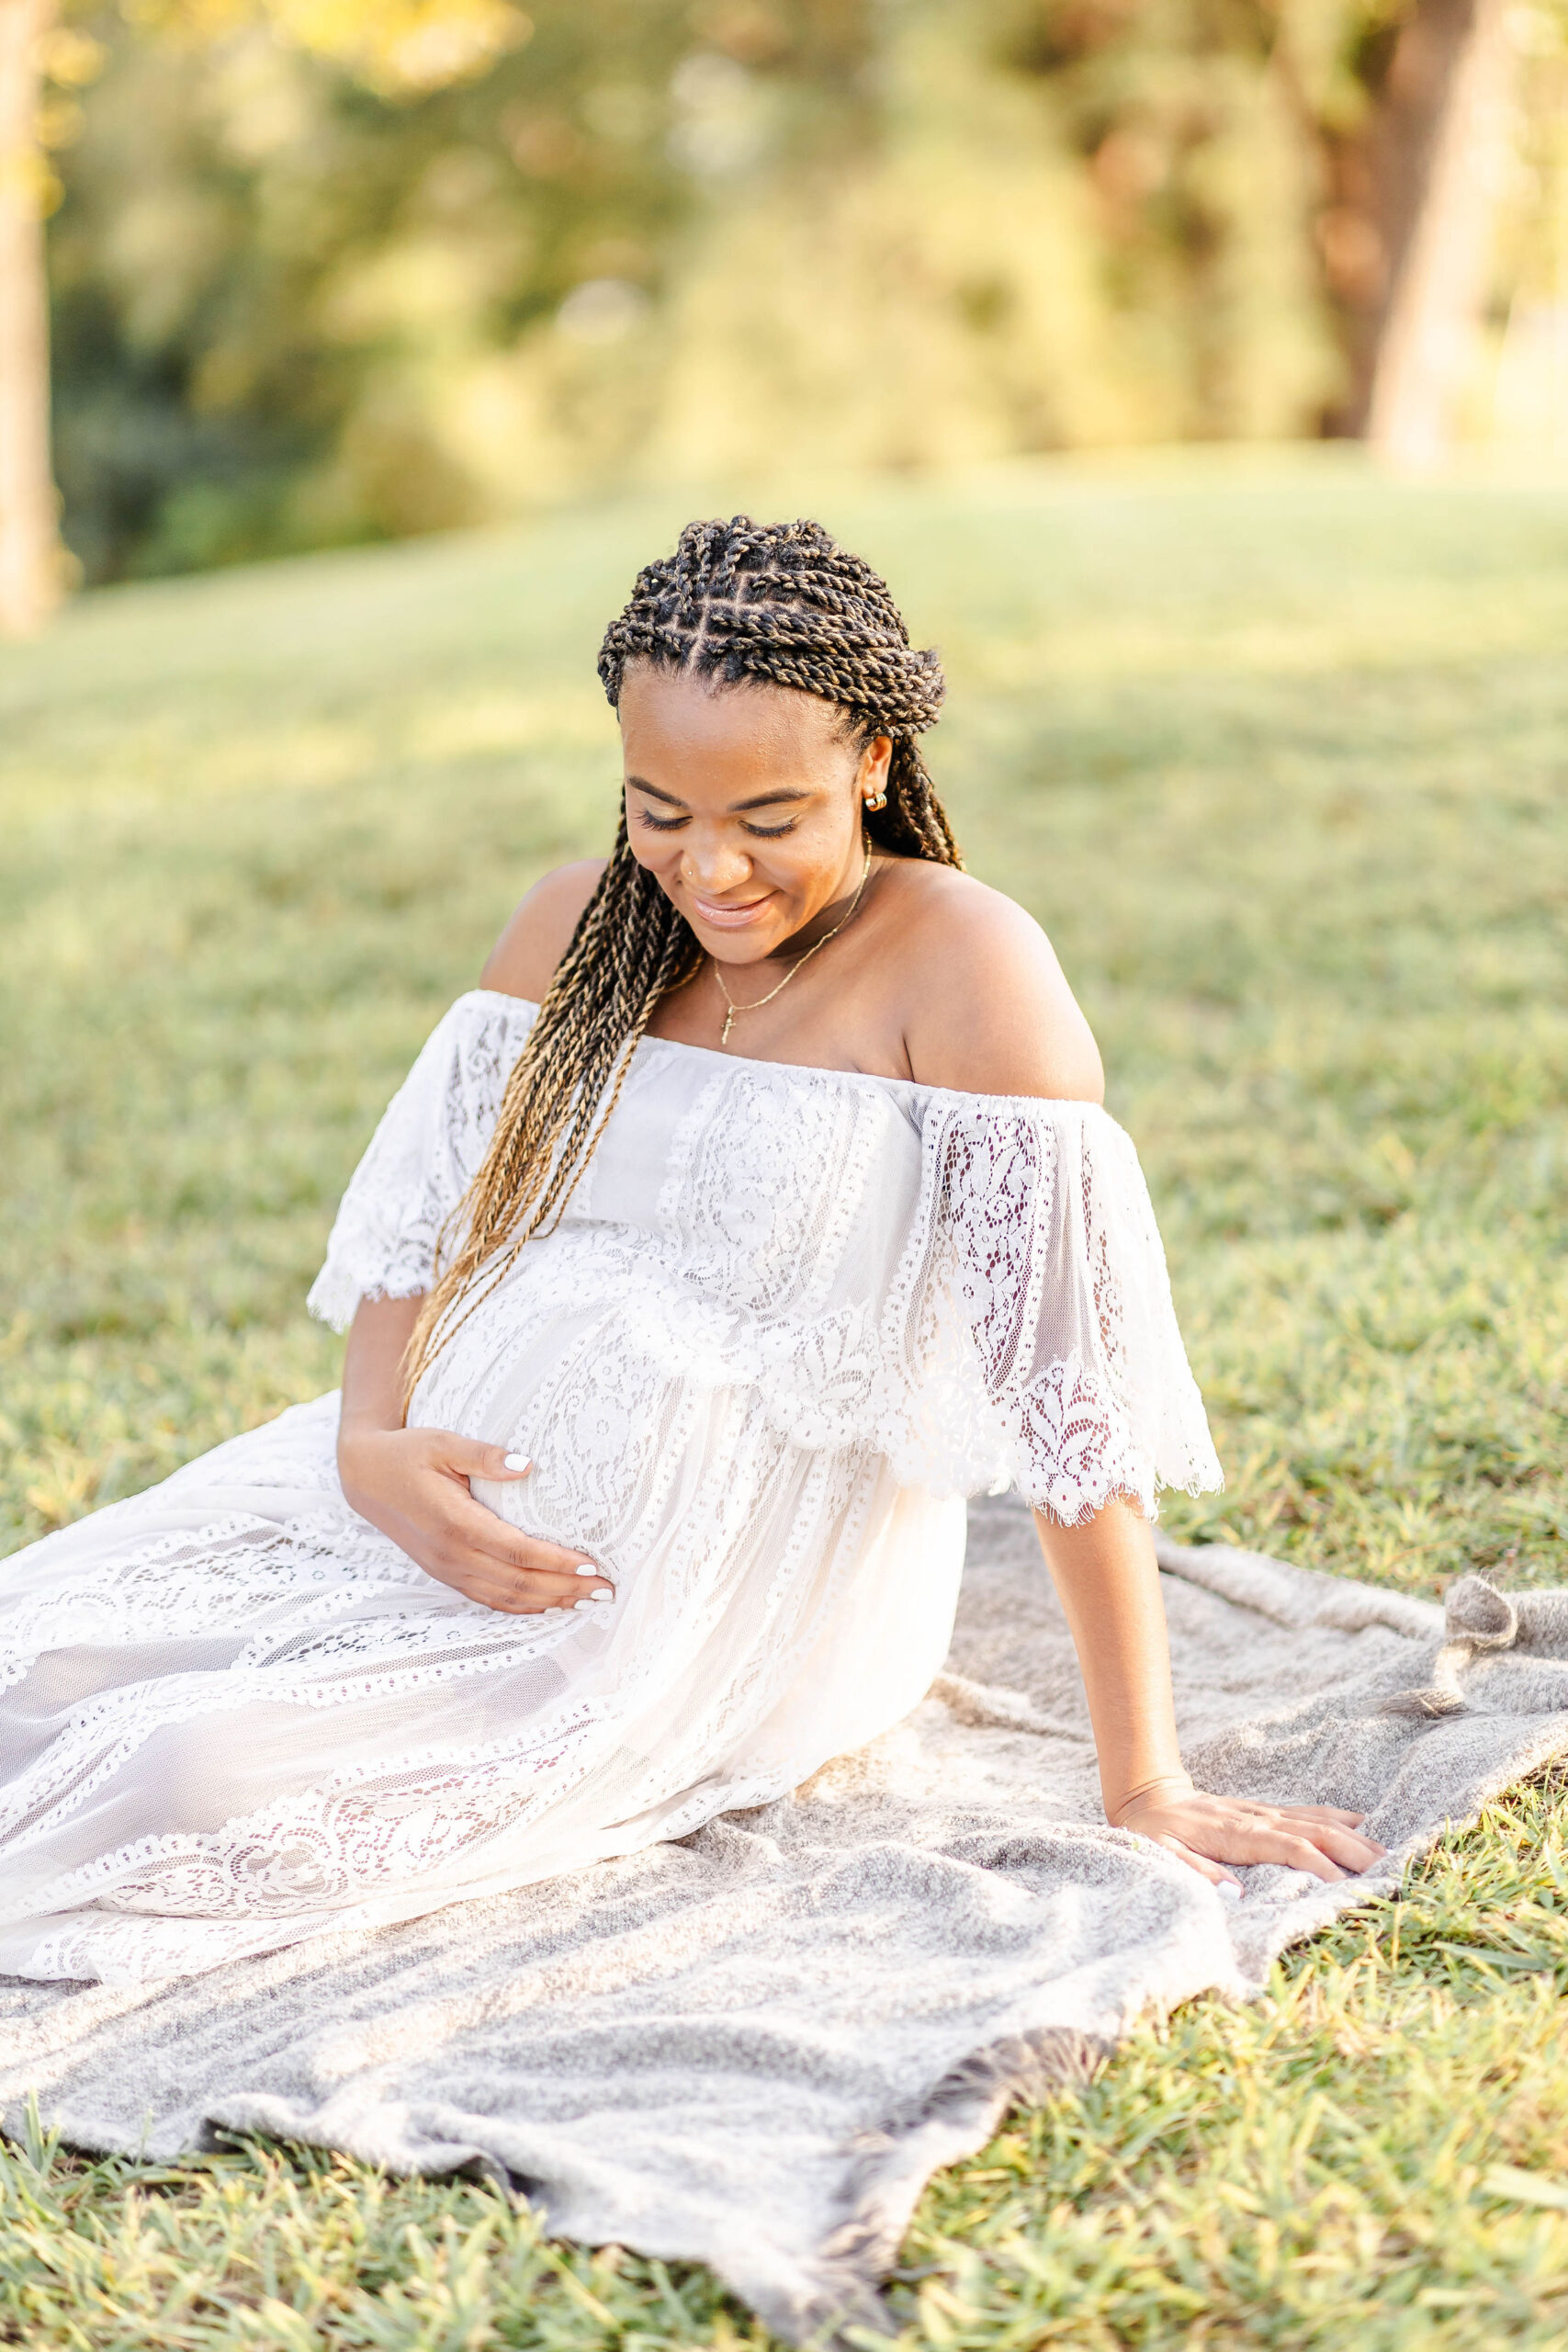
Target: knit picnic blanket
753 2046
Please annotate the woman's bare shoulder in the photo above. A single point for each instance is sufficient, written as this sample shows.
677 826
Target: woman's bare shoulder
986 1007
538 930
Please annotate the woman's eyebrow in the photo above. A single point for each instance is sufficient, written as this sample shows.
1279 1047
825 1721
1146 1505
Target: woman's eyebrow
758 800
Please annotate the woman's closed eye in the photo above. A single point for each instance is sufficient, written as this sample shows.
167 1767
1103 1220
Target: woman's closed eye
673 825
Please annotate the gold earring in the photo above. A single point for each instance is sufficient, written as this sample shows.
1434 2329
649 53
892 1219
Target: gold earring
876 799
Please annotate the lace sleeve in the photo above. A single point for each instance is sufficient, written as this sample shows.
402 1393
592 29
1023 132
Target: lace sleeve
421 1158
1043 1239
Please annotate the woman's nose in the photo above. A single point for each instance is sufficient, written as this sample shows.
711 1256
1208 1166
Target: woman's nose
714 866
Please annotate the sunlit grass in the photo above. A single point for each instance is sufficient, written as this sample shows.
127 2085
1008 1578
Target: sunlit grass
1279 758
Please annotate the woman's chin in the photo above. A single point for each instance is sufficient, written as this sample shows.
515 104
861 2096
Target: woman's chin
725 948
739 942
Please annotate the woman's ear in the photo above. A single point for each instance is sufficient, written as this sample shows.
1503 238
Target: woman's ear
871 781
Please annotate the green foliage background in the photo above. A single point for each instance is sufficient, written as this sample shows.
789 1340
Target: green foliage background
1276 751
666 240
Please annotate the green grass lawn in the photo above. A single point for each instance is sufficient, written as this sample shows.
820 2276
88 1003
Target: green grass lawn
1277 752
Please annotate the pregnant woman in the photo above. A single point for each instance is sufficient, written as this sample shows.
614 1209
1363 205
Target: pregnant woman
756 1209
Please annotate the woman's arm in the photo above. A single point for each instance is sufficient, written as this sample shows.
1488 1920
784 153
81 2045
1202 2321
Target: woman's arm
413 1484
986 1010
1108 1581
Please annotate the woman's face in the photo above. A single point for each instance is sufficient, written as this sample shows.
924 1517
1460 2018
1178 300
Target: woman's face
744 803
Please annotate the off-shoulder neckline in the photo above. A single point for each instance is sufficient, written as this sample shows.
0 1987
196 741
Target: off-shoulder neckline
904 1086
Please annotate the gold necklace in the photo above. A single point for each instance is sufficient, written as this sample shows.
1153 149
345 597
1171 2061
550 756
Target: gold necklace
757 1005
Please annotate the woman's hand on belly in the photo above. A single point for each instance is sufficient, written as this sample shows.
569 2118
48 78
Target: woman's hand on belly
413 1486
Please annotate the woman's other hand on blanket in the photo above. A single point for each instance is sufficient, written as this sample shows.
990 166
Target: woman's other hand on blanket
1105 1573
413 1486
1208 1831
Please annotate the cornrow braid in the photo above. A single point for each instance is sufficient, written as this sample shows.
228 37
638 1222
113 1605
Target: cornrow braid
778 602
785 603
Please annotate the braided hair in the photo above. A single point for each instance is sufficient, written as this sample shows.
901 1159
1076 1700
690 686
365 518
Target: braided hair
777 604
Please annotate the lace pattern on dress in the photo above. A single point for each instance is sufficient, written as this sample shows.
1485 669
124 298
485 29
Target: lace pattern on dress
421 1158
789 1310
973 1285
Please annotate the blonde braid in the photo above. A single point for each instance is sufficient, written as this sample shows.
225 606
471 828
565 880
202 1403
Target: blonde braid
776 603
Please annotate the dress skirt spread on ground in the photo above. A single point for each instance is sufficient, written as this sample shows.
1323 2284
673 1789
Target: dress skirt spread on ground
790 1318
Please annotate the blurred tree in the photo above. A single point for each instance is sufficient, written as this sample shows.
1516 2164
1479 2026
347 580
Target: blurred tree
1395 110
292 309
1414 121
397 46
334 269
1529 402
31 558
1443 128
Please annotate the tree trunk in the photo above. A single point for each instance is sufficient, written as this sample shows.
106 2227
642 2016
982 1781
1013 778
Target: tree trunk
31 565
1435 166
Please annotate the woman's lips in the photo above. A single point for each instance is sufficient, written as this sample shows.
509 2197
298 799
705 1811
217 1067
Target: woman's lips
721 918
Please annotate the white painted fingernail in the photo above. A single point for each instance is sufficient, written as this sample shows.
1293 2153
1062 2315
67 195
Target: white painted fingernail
585 1602
588 1570
589 1599
518 1462
1230 1890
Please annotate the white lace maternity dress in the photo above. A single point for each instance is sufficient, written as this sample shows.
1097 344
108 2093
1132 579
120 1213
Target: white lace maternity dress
790 1319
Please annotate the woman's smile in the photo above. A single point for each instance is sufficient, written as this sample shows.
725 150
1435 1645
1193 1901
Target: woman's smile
720 915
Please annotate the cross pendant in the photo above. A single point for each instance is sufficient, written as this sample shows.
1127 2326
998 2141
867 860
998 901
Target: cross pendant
724 1033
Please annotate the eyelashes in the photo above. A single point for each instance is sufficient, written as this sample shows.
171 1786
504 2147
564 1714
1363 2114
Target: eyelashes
673 825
